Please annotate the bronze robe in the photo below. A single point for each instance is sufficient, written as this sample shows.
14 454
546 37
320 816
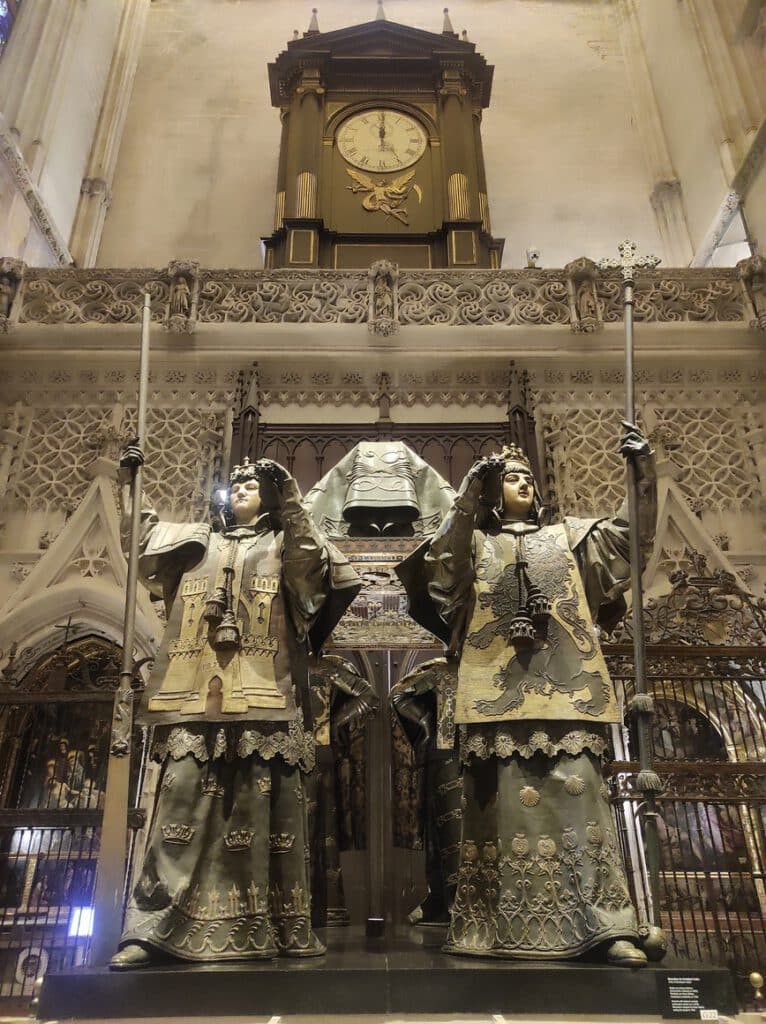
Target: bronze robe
540 869
225 871
426 781
336 789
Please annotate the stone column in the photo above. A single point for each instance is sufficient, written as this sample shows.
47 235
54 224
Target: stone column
666 194
96 188
11 437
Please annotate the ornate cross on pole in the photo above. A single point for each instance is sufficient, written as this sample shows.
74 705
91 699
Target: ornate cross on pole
627 263
647 781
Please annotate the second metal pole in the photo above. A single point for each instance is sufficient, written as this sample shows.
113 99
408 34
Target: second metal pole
110 878
643 714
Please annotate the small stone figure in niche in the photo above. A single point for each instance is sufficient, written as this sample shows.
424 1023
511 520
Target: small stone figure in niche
225 872
180 297
384 302
586 301
752 273
7 292
341 702
540 871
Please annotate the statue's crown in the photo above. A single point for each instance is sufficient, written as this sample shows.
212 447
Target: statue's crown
247 471
512 455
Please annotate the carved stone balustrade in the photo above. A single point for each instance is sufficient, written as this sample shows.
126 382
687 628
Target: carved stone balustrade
526 297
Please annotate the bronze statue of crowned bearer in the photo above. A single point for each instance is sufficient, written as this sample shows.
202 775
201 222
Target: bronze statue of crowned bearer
540 872
225 872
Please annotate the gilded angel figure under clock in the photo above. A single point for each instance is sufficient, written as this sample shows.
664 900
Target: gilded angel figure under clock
388 197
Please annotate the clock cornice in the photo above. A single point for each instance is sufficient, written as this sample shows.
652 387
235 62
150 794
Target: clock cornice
354 50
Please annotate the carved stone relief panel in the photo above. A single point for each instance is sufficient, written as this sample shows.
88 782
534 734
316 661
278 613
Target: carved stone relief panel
56 457
716 464
717 469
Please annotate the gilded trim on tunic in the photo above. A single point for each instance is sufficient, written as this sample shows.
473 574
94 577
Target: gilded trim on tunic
507 738
288 740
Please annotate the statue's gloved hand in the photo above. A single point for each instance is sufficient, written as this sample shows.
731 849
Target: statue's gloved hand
273 472
277 477
635 448
633 444
131 457
482 480
353 709
485 467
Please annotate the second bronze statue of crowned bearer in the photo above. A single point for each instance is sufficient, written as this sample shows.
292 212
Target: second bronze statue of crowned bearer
225 872
540 871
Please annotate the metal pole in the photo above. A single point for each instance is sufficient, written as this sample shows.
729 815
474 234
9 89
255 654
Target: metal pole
110 878
643 715
647 782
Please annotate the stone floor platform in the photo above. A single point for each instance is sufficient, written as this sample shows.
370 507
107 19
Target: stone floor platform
405 972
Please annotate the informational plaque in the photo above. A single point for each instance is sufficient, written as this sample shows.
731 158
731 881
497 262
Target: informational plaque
687 996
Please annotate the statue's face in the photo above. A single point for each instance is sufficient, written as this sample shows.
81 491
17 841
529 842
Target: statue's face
245 499
518 494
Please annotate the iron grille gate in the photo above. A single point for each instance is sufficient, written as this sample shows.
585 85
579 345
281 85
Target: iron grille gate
55 720
709 738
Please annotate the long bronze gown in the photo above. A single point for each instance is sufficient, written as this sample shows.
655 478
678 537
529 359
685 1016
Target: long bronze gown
225 871
341 700
540 869
426 781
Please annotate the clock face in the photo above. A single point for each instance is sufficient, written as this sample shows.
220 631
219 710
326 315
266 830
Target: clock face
381 140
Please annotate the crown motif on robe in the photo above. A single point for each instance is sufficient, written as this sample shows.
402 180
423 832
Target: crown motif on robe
212 788
512 455
181 834
281 842
247 471
238 839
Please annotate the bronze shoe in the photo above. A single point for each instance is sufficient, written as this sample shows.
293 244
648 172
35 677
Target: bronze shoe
131 956
623 953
